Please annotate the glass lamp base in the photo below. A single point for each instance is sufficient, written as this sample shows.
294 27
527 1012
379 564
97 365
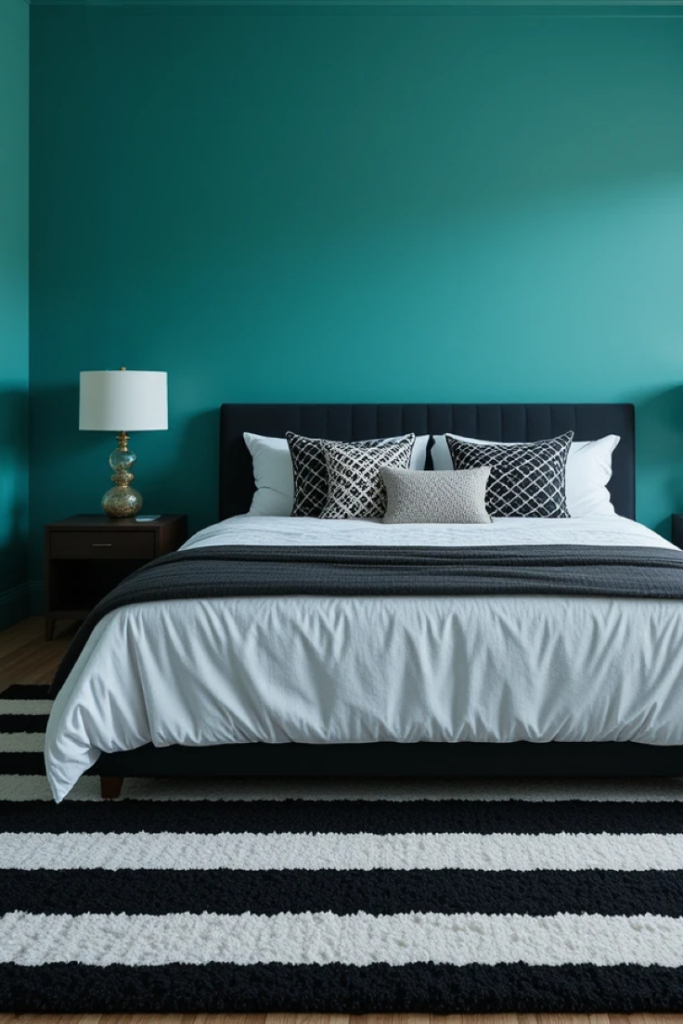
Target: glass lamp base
122 501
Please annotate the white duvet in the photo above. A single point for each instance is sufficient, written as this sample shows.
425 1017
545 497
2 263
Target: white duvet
342 670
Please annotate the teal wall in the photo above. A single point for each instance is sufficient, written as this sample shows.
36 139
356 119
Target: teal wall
14 81
350 206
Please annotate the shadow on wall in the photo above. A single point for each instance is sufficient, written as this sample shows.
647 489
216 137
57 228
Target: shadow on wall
59 458
659 446
185 478
56 442
14 427
13 504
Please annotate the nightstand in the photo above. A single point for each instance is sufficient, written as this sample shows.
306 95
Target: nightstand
677 530
87 556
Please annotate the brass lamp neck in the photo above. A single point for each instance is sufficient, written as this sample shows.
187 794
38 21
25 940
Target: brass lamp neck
123 440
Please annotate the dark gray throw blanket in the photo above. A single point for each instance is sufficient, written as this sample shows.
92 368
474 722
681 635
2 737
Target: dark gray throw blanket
568 570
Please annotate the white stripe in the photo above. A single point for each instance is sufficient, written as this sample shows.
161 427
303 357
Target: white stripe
358 939
283 850
25 707
22 743
35 787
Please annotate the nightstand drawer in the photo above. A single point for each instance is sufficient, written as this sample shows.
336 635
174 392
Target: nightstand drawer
102 544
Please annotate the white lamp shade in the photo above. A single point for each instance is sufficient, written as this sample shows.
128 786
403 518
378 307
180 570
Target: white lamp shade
129 400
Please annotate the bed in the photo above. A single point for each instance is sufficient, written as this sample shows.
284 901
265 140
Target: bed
357 686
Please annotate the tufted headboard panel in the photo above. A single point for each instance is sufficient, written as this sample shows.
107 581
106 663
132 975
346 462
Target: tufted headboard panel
355 422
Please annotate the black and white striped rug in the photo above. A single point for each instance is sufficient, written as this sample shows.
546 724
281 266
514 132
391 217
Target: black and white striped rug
334 897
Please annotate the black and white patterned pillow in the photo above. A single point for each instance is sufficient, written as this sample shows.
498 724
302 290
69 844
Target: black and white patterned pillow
526 479
356 488
311 480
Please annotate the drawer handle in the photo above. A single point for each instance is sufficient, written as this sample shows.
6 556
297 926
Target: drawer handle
102 545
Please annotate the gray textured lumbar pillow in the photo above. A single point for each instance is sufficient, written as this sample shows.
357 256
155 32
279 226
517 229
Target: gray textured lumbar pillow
436 496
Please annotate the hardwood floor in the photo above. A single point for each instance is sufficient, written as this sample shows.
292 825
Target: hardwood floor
26 657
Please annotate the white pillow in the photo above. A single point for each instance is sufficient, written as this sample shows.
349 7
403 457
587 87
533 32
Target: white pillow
274 495
589 470
274 475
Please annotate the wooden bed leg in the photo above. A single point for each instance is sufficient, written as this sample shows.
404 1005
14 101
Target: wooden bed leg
110 786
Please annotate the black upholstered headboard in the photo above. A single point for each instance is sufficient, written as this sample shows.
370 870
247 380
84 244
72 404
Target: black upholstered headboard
355 422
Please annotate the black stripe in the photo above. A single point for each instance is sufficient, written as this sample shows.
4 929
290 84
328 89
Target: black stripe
336 988
342 892
23 723
20 764
379 817
26 693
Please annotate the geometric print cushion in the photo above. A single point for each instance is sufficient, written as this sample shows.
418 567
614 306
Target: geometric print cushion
356 488
311 480
526 479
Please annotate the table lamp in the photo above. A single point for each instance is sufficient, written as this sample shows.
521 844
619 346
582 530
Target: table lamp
122 400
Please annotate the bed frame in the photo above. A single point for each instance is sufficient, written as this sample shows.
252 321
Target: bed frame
354 422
